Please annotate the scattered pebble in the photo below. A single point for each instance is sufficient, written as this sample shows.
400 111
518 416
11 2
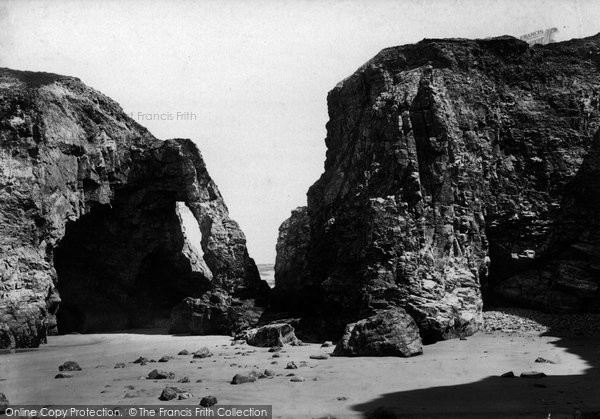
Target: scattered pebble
184 395
519 320
69 366
63 375
208 401
169 393
291 366
319 356
203 353
243 378
160 375
541 360
298 379
120 365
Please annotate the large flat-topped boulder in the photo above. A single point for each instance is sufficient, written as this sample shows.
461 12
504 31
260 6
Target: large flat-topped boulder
90 209
455 167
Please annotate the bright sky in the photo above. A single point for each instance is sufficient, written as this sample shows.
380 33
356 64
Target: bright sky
255 73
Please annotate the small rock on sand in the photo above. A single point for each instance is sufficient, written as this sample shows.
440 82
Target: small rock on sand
184 380
63 375
203 353
243 378
141 360
541 360
275 349
184 395
120 365
298 379
184 352
160 375
291 366
269 373
319 356
326 344
169 393
165 358
69 366
533 374
208 401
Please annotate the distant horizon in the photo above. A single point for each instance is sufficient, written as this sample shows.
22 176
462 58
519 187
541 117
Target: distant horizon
247 81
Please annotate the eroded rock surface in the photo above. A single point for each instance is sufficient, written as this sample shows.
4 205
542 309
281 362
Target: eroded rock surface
271 335
455 167
88 215
388 333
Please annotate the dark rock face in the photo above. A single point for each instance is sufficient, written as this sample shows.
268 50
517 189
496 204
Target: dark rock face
455 167
90 214
291 262
389 333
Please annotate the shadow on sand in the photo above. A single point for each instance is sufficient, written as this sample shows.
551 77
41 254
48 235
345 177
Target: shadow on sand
551 397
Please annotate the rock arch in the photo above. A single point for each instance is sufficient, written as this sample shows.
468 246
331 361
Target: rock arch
88 202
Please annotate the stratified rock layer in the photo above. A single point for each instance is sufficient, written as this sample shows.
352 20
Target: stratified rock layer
455 167
89 214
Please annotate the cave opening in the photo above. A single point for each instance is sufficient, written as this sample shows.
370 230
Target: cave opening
126 266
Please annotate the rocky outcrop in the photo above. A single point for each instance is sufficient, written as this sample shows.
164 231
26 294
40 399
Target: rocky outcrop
89 224
291 262
215 313
456 167
388 333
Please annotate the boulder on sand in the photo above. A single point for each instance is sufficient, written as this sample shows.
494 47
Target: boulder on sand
275 334
390 332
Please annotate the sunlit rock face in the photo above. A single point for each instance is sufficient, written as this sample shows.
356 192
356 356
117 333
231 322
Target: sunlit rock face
90 214
455 168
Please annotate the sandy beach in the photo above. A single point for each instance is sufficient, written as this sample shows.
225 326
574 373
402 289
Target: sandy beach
455 378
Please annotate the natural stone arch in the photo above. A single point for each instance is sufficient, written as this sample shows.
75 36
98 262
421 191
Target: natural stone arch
71 156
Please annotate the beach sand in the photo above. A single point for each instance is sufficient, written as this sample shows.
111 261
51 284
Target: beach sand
455 378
